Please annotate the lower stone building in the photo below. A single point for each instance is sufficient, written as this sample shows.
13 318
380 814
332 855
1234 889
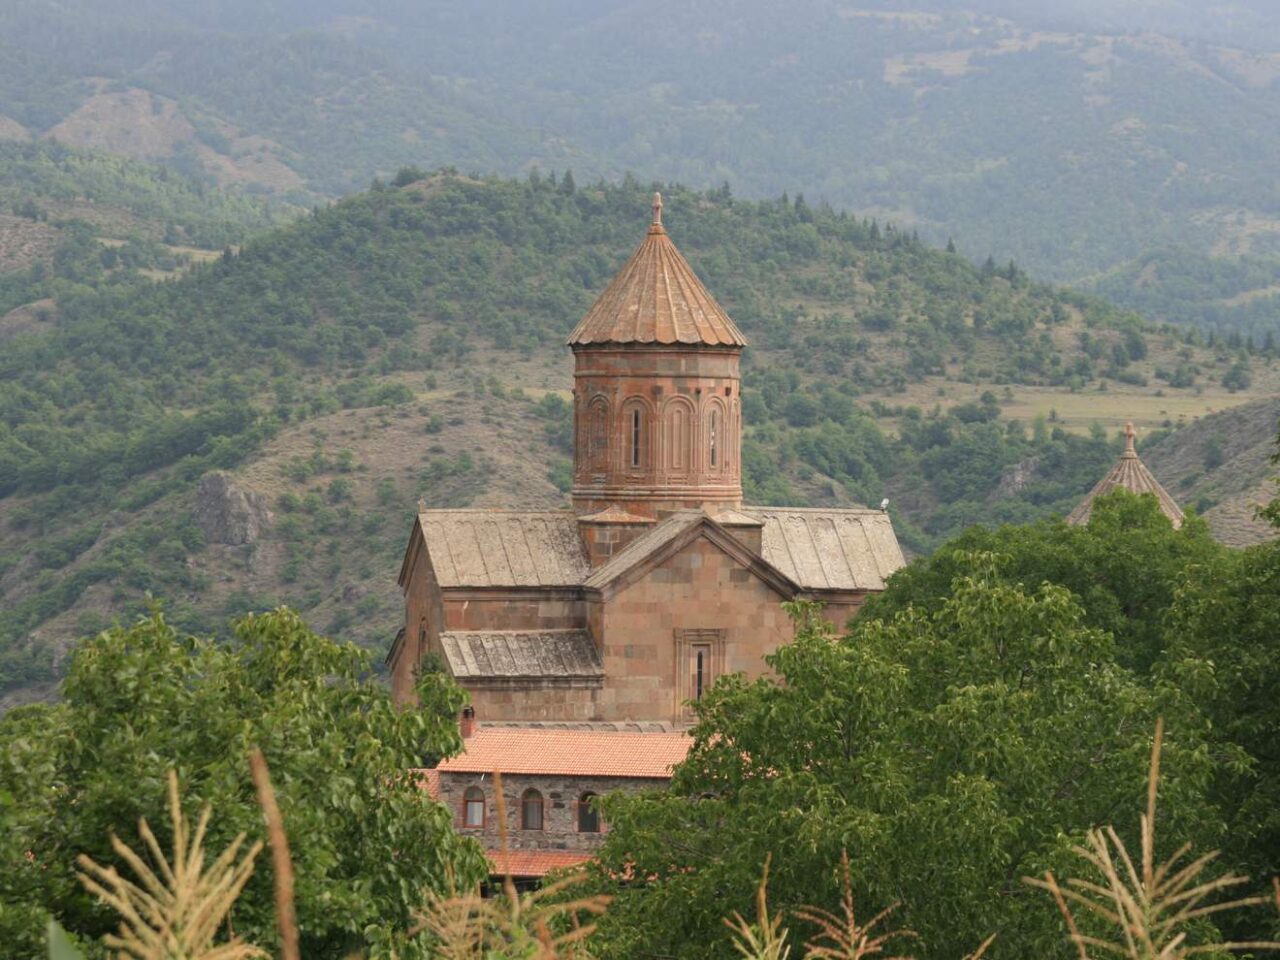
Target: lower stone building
552 780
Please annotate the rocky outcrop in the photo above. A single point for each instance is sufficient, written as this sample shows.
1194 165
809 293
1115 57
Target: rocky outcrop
1016 477
227 513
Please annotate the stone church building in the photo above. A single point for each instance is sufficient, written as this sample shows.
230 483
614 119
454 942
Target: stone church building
606 619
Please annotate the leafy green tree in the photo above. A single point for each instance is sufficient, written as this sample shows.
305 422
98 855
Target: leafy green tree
1225 651
952 751
367 842
1124 568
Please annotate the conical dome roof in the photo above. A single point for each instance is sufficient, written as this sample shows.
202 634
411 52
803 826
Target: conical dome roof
657 298
1129 474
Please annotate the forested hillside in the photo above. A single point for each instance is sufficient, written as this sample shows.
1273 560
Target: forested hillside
71 219
407 343
1092 142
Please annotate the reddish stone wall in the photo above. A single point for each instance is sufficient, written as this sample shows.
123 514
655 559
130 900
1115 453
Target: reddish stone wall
560 797
512 609
699 588
423 611
603 540
678 393
531 701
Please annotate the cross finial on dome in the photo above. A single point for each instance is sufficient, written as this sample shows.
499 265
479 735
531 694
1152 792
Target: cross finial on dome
657 210
1129 434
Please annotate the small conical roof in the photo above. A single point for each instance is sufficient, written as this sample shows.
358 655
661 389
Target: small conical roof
657 298
1129 474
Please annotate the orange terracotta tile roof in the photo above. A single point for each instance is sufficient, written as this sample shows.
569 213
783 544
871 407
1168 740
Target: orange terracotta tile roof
657 298
429 780
533 863
599 753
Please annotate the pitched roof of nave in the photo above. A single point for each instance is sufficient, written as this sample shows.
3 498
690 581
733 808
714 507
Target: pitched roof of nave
502 548
814 548
823 549
1131 474
656 298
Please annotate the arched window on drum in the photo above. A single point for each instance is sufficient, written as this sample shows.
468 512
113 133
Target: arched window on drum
716 437
677 436
635 431
598 435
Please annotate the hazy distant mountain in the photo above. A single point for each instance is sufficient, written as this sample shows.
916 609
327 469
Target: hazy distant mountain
1073 136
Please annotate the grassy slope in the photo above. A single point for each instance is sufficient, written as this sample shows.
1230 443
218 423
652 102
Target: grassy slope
368 356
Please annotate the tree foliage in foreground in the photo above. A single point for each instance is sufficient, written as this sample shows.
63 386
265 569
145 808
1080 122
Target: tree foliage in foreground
367 843
952 751
1125 567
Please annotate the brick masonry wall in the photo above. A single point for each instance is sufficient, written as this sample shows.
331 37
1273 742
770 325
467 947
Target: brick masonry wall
560 797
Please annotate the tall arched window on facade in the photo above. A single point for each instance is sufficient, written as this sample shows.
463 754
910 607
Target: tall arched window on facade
531 810
588 814
473 807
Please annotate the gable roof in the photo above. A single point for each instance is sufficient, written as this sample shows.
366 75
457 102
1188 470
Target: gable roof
1131 474
503 654
670 536
548 752
503 548
656 298
824 549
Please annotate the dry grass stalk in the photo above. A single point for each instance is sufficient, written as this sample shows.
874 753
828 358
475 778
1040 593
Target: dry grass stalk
468 927
286 915
842 937
766 939
1147 906
982 948
175 912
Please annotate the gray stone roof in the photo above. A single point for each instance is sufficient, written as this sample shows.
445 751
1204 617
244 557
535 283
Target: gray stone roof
817 548
504 548
824 549
520 654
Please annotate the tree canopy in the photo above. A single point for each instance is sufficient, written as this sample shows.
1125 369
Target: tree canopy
950 750
367 842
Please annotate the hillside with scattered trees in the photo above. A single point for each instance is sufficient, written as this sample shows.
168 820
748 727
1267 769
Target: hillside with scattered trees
406 344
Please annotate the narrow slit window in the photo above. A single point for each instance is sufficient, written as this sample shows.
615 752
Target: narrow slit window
701 679
715 430
635 437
